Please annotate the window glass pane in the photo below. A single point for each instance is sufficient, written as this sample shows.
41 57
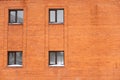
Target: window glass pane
60 58
12 16
60 14
19 58
52 16
19 16
11 58
52 57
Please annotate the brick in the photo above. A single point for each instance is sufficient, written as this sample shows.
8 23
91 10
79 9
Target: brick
90 38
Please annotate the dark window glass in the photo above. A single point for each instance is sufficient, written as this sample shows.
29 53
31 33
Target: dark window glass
19 16
56 16
12 16
56 58
14 58
52 58
15 16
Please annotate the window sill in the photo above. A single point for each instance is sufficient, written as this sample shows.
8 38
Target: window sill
14 65
15 23
56 23
56 65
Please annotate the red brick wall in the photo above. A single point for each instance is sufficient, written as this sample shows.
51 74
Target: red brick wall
90 38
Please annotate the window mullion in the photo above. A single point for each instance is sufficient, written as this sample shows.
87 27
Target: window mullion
55 15
15 58
16 16
56 58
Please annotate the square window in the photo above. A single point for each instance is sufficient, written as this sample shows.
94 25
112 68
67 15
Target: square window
56 16
16 16
56 58
15 58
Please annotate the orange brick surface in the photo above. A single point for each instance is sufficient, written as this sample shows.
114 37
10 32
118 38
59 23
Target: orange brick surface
90 38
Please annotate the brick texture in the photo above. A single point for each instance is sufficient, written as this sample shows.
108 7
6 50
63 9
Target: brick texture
90 38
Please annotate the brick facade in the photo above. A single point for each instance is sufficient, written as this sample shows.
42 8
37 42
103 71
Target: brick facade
90 38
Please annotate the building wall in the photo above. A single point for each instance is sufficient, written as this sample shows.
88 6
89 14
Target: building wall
90 38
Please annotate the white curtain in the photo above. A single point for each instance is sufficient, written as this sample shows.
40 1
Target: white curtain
52 57
60 58
19 58
11 58
19 16
52 16
12 16
60 14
